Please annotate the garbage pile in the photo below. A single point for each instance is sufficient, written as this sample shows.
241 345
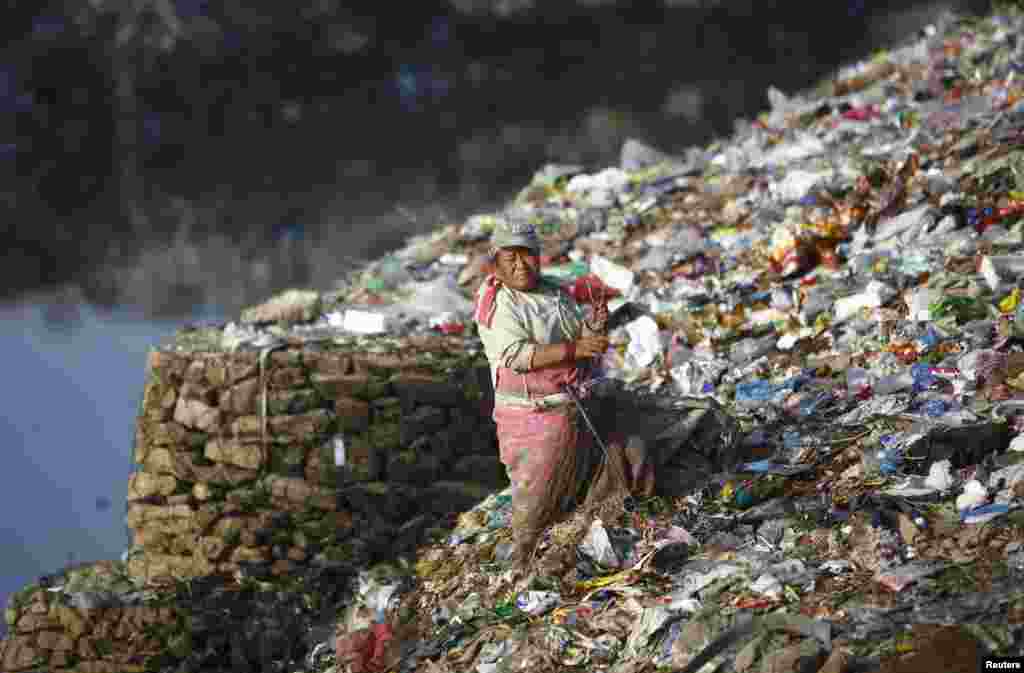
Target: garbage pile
843 276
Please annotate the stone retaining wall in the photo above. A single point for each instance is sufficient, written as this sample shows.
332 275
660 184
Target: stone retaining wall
49 632
236 476
237 453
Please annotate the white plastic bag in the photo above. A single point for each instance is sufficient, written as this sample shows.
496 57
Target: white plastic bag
940 476
598 546
611 274
359 322
435 297
644 342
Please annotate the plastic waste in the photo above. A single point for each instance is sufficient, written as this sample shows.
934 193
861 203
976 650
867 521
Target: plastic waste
697 575
537 602
836 566
360 322
611 274
975 494
1001 271
438 296
597 546
600 189
767 585
876 294
983 513
652 620
750 349
900 577
645 341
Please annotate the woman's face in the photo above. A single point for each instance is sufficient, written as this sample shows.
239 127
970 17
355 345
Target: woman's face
518 268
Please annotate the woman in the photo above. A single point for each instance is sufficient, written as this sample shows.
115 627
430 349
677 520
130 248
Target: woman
537 342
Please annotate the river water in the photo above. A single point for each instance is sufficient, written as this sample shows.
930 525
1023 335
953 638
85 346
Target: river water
73 354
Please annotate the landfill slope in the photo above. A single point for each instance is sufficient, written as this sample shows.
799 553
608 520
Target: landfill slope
843 277
825 312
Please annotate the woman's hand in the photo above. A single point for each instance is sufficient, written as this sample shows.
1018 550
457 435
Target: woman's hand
591 346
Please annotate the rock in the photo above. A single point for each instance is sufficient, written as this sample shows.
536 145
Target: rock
298 427
156 460
282 567
211 547
250 554
20 653
421 422
431 391
328 364
301 492
195 372
291 306
359 385
487 470
199 391
168 434
242 398
223 474
298 401
353 414
146 484
31 622
233 452
286 377
197 415
139 513
390 500
158 400
54 640
413 468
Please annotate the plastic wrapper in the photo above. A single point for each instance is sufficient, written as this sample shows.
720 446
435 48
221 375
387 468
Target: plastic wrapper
651 620
697 575
537 602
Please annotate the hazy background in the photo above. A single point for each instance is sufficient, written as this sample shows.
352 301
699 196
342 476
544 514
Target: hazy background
164 161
